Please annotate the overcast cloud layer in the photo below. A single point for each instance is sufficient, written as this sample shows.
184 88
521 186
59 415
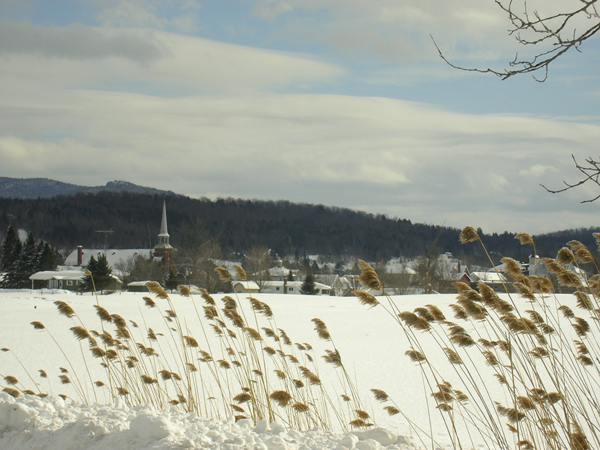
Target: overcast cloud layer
340 103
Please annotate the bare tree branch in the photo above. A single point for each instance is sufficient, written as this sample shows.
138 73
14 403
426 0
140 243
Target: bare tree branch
591 173
558 33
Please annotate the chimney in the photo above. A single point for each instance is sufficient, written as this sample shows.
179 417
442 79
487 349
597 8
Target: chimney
79 255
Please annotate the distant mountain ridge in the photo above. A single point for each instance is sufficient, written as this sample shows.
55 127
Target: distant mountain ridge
31 188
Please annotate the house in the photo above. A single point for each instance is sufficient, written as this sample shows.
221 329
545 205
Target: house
57 279
343 286
137 286
493 279
114 257
292 287
280 272
118 258
249 287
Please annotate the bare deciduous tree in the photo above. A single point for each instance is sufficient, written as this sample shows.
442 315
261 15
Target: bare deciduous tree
591 173
257 264
555 32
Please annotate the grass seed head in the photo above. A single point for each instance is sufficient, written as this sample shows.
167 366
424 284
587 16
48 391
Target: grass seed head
369 277
240 273
224 274
525 238
513 268
452 356
415 356
365 298
103 314
468 234
282 398
391 410
149 302
380 396
583 300
184 290
436 312
207 298
9 379
64 308
565 256
321 329
300 407
38 325
156 289
80 333
12 392
243 397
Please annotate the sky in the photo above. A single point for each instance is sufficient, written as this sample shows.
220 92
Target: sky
341 103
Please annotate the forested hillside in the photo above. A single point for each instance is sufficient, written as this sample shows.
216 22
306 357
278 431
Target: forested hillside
236 225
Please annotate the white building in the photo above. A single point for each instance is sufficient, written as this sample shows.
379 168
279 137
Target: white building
57 279
292 287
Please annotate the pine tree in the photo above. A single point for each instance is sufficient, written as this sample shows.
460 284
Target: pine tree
171 282
11 252
45 257
101 273
27 262
309 287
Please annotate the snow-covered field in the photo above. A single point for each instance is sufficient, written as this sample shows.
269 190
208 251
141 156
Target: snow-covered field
372 347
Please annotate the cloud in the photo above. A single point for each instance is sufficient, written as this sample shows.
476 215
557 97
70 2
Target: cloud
406 159
176 15
147 60
75 42
537 170
398 31
269 10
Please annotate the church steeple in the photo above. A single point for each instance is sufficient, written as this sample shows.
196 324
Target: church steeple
163 249
163 235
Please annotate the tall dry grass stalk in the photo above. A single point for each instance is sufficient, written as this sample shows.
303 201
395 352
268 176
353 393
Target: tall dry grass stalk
231 359
544 356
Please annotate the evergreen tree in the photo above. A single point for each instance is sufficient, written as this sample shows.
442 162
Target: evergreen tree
308 287
45 257
27 262
102 276
11 253
101 273
290 276
171 281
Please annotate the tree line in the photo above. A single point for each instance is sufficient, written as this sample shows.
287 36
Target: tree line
229 227
21 260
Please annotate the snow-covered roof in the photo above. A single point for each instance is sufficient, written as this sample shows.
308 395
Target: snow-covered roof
113 256
490 277
137 283
281 271
248 285
58 275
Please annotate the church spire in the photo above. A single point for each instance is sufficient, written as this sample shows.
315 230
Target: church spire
163 249
163 222
163 235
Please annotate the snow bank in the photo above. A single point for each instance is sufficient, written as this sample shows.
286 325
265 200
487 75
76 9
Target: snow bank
51 423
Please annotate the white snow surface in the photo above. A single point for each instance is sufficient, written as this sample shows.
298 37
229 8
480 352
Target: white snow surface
51 423
371 344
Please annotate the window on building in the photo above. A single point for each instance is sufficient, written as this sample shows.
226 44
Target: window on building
276 288
291 289
69 283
